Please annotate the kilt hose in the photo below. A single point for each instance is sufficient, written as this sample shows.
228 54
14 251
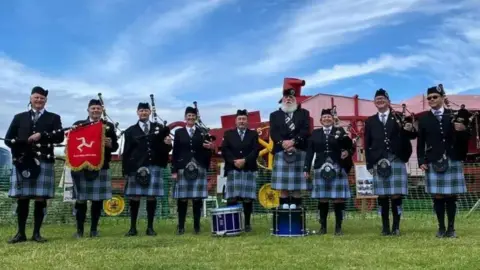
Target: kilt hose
155 189
241 184
95 190
396 183
289 176
43 186
337 188
450 182
187 189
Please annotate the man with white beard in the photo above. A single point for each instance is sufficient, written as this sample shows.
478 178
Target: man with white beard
289 130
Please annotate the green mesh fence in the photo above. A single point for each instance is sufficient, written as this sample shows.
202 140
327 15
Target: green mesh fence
60 211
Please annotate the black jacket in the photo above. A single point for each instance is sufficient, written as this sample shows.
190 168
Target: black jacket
391 138
434 139
317 145
234 148
22 127
110 133
280 132
144 150
186 148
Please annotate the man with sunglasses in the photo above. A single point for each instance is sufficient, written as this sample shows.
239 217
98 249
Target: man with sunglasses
441 148
387 149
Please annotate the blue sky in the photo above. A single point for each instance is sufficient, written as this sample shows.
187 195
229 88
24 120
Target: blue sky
229 54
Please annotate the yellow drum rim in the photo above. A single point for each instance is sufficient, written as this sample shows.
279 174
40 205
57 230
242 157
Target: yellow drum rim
268 197
114 206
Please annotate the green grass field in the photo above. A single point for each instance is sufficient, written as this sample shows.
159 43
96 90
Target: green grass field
361 247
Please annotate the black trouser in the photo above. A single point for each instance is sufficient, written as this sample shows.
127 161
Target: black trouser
182 205
338 207
23 206
81 213
134 207
384 203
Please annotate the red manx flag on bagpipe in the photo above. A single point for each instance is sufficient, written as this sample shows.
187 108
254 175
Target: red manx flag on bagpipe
85 147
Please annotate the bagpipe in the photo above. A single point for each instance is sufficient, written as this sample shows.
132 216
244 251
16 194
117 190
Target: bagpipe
345 143
402 119
85 147
204 130
155 117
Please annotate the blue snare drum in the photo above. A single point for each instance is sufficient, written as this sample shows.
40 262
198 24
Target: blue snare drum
289 222
227 221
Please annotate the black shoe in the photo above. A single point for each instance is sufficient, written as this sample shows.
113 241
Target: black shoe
451 234
131 232
338 231
322 230
151 232
386 232
94 234
248 228
441 233
395 232
38 238
180 231
78 234
18 238
197 230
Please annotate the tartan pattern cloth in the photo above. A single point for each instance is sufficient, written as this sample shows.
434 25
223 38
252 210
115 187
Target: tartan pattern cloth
338 188
396 183
289 176
184 189
95 190
450 182
241 184
155 189
43 186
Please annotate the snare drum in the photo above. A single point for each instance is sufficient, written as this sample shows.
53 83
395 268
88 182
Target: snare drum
289 222
227 221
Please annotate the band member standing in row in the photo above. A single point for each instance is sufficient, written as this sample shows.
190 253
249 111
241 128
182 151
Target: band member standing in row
145 156
30 133
94 186
387 149
240 150
333 150
289 130
441 148
191 157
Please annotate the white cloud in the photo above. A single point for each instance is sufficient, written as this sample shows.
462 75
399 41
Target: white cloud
152 29
326 76
454 52
324 25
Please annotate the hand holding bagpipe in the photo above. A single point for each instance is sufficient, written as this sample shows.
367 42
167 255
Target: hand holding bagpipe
344 141
462 118
405 122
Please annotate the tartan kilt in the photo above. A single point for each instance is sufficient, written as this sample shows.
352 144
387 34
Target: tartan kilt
289 176
43 186
337 188
95 190
241 184
396 183
155 189
450 182
185 189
